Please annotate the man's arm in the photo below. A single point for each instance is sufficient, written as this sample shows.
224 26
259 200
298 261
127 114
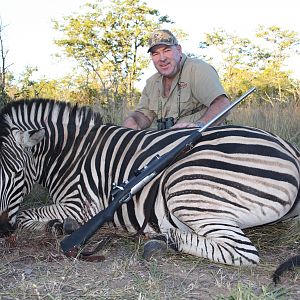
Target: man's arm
217 106
137 120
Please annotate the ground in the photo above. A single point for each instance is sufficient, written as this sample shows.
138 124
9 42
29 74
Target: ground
33 267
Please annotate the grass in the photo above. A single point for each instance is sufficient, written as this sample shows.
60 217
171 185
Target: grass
34 268
281 119
246 292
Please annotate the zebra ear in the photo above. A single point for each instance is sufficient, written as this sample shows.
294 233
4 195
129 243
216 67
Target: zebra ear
29 138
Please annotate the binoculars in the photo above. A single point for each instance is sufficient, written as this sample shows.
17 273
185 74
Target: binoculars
165 123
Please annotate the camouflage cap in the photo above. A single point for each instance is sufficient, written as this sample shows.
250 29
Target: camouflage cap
162 37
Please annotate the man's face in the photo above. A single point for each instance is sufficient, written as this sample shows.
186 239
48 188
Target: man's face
166 59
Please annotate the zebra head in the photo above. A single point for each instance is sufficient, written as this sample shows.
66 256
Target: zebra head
17 169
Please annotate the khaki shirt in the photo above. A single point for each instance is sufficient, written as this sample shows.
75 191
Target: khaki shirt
199 85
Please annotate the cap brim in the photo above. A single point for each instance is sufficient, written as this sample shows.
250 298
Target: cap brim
160 43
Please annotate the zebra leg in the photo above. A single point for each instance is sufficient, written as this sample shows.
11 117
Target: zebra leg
68 226
52 218
218 245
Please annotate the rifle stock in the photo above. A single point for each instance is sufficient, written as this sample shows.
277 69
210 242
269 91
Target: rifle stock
88 229
125 192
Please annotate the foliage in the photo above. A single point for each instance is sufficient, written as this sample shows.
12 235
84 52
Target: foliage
105 42
246 64
108 43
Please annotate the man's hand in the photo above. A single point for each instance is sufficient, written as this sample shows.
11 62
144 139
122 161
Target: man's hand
137 120
131 123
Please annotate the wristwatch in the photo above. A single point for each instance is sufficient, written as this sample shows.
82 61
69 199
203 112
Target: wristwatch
200 124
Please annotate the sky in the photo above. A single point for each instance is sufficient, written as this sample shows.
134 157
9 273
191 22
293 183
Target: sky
28 34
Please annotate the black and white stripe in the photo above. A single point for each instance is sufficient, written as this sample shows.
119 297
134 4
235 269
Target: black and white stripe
235 178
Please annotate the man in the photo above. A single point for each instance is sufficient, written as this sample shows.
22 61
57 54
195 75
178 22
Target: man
185 92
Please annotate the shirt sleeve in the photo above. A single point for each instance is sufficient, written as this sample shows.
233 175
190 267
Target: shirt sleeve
206 84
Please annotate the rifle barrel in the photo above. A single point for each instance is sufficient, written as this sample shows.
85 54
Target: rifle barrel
226 110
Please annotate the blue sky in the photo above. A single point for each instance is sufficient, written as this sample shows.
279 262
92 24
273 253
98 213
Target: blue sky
29 32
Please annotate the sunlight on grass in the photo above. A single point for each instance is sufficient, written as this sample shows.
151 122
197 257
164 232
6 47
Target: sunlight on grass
281 119
247 292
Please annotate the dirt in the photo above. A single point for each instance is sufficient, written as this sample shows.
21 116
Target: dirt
33 267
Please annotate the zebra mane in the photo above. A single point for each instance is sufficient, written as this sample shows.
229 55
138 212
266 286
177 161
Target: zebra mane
27 105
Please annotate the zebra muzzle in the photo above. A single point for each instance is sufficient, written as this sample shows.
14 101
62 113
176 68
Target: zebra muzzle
6 229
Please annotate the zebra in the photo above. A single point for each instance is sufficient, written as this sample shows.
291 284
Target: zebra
237 177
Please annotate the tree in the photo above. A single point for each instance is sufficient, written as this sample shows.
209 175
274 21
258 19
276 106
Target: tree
105 41
280 45
3 68
246 64
235 61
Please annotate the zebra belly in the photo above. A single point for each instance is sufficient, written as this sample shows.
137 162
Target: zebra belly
240 188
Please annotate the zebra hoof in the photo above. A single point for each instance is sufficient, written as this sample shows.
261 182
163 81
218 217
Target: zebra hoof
153 248
70 225
55 227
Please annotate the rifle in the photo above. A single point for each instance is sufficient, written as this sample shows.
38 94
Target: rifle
124 192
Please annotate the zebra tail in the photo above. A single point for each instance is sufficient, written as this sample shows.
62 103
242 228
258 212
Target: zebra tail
288 265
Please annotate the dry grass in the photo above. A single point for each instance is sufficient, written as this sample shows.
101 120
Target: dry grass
281 119
34 268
